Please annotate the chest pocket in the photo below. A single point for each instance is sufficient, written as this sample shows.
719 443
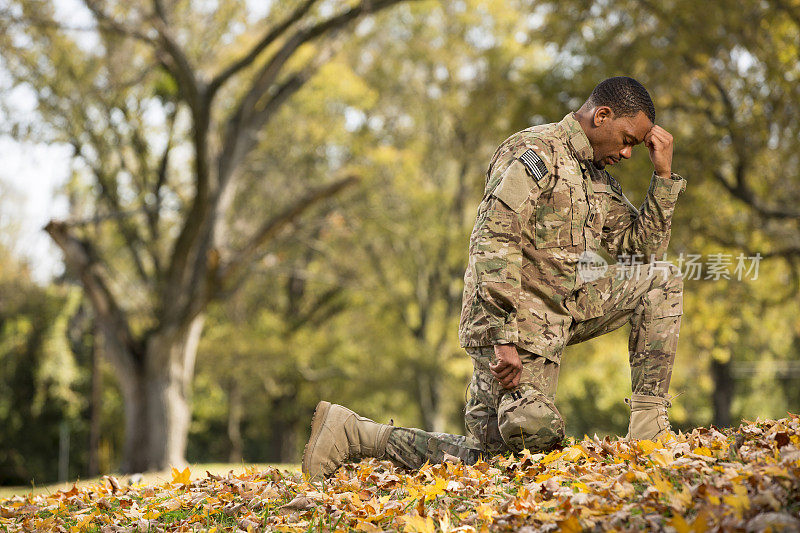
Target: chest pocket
553 217
596 217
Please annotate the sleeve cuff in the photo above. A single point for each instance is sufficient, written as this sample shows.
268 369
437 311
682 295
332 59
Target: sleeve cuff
667 188
507 334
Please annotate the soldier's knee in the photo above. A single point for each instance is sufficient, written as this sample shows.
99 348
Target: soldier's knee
529 419
665 296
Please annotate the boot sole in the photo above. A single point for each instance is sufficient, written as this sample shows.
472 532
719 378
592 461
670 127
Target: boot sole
317 421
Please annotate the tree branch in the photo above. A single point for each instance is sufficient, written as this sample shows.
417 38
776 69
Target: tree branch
245 115
106 22
81 258
268 38
176 62
154 214
275 224
743 192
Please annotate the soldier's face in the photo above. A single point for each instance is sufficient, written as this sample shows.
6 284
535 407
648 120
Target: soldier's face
613 138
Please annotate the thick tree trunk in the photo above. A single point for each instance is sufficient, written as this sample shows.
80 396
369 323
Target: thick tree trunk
235 422
723 392
157 401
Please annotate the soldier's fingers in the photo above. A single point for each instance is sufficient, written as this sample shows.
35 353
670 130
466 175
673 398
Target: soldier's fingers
662 135
658 130
656 137
503 372
648 139
498 365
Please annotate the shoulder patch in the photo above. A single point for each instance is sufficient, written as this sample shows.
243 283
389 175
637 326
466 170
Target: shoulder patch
534 164
515 187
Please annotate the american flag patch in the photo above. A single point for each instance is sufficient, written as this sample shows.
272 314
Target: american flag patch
534 164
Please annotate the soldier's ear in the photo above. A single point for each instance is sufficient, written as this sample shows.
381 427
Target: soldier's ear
602 114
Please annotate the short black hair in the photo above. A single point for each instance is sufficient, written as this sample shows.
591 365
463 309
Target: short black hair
625 96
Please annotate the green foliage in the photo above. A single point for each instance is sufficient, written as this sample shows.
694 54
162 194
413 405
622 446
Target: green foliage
35 395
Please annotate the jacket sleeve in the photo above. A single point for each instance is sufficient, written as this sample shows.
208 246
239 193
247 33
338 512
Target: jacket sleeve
644 232
495 252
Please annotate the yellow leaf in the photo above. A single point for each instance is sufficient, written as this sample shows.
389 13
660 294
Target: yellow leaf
419 524
366 526
663 485
700 524
702 450
572 454
552 456
647 446
661 458
181 477
739 501
581 486
570 525
680 500
485 512
680 525
437 488
85 521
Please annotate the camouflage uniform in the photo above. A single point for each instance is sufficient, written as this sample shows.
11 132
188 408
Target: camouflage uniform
545 209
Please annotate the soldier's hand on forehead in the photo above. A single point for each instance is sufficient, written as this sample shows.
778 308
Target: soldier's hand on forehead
659 143
508 368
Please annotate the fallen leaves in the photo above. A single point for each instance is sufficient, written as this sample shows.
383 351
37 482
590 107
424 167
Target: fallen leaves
707 480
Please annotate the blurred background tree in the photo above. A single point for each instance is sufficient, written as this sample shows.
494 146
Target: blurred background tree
358 300
161 139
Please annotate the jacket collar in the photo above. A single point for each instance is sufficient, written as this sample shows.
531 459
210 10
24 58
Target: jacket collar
576 138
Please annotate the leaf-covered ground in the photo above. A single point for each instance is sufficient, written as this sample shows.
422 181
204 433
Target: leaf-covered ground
747 479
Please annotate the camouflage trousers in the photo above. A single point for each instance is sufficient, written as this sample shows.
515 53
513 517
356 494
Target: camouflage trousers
649 297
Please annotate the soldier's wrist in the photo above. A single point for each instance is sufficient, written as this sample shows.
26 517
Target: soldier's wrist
666 174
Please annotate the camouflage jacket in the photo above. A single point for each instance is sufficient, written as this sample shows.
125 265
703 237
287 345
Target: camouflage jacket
545 204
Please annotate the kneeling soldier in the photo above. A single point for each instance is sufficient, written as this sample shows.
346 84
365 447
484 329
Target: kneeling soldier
549 206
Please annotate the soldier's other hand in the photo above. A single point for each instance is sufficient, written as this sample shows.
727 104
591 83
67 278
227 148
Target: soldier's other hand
659 142
507 368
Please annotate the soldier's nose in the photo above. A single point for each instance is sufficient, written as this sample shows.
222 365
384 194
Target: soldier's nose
626 152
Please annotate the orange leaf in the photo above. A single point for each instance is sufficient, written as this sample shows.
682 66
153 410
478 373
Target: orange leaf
181 477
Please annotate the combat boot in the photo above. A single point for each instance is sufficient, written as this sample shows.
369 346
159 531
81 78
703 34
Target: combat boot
338 435
649 418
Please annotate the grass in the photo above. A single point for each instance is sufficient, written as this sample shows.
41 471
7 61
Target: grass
148 478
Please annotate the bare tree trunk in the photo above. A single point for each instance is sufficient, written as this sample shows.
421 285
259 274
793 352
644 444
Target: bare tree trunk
723 392
134 453
157 400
